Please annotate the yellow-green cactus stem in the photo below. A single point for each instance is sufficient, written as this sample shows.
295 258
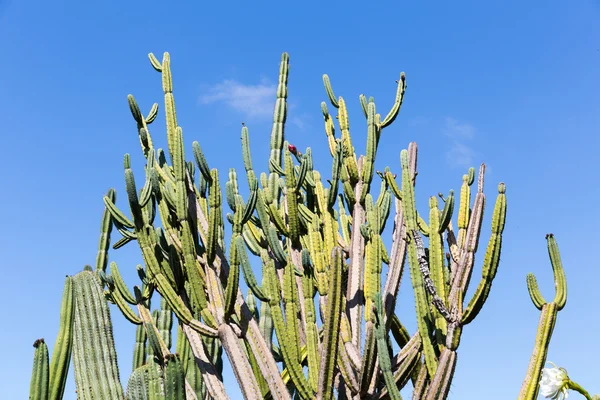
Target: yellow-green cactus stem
38 388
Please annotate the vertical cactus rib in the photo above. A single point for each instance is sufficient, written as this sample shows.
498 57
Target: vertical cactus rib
38 388
61 354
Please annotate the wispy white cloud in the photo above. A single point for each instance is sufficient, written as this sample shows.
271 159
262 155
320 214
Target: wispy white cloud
253 100
459 130
460 154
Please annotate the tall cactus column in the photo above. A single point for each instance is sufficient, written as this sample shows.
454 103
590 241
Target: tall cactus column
530 387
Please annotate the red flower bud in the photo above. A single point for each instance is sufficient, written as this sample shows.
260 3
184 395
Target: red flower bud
292 149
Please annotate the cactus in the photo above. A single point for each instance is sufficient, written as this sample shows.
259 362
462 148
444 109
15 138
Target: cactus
549 312
309 247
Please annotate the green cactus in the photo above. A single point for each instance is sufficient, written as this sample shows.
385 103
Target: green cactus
549 312
40 379
289 237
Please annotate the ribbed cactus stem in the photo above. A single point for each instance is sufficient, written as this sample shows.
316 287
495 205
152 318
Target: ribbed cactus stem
61 354
94 355
38 388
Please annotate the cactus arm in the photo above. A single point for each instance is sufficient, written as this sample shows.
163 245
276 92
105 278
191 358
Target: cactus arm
368 166
335 172
393 113
491 260
462 265
534 292
332 327
446 215
329 91
329 128
114 296
348 153
120 284
560 281
249 277
279 115
38 387
105 230
61 353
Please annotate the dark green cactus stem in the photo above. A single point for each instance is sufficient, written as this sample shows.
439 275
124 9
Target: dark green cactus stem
61 353
94 355
174 382
201 161
105 229
38 388
164 321
139 349
279 115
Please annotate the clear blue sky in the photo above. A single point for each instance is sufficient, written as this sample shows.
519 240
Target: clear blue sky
510 83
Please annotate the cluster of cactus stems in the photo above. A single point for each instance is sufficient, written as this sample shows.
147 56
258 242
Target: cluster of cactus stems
319 319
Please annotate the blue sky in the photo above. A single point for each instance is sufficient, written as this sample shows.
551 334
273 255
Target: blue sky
512 84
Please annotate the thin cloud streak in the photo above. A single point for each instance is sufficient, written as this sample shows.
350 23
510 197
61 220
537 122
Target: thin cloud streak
253 100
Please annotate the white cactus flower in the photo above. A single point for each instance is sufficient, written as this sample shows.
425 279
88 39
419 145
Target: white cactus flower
554 383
